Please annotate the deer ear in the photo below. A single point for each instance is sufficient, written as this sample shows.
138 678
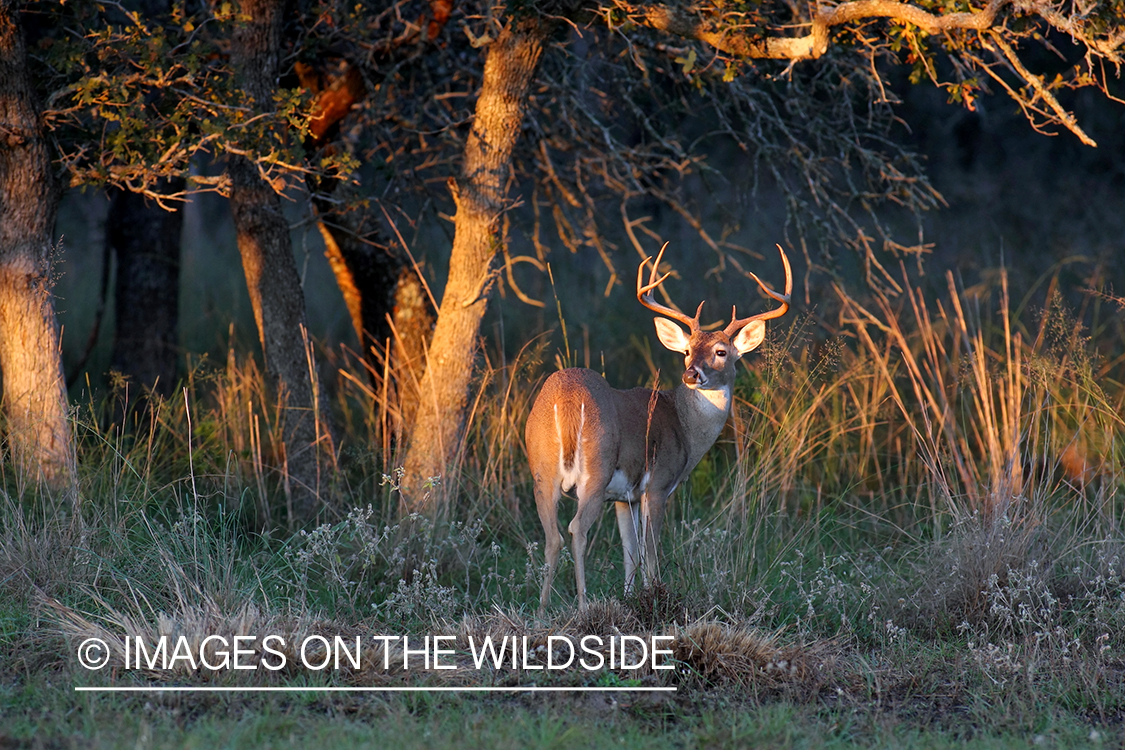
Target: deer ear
750 337
671 335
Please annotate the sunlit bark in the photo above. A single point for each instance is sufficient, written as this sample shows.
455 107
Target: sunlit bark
480 194
35 405
391 312
387 302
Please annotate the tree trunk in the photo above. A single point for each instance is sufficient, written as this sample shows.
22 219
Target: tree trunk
387 302
272 278
479 194
35 404
414 317
146 240
390 310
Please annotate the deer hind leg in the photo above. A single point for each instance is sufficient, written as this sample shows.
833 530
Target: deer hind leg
591 497
628 523
547 501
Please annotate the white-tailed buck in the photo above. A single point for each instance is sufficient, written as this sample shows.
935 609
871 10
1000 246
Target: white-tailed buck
635 446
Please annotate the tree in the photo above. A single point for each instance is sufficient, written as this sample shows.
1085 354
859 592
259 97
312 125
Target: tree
977 44
146 240
271 272
479 193
619 113
982 41
171 86
390 307
35 404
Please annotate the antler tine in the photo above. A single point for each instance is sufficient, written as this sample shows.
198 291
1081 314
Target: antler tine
644 293
736 324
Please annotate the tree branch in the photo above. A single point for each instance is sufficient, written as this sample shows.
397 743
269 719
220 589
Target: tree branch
678 21
1066 118
724 34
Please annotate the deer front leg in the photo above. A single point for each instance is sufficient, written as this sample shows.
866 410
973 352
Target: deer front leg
652 518
628 523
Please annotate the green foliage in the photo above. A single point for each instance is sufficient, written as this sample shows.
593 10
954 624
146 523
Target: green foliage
133 100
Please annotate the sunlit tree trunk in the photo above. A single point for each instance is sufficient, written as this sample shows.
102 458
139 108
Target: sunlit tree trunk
414 318
479 193
34 390
272 278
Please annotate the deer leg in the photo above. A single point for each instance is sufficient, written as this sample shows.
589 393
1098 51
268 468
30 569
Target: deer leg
547 501
652 518
628 519
591 496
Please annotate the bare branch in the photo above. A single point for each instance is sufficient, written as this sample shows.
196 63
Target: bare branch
1066 118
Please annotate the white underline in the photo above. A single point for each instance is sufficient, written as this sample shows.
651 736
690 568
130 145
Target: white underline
346 689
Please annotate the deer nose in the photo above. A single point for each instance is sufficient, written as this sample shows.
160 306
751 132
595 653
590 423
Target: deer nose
692 376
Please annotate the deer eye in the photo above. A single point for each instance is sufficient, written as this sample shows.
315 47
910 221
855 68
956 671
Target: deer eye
720 352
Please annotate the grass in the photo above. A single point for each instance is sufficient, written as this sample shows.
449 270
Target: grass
524 722
910 537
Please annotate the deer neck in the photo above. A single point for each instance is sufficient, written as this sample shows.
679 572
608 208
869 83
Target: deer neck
702 414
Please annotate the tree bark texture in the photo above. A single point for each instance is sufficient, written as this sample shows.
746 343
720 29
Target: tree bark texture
414 318
272 278
480 197
146 241
34 390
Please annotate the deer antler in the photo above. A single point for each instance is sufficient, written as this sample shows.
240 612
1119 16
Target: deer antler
644 293
736 324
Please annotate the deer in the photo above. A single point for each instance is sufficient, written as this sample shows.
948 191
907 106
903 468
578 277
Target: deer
633 447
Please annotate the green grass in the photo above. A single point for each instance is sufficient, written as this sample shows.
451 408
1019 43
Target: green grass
45 716
911 537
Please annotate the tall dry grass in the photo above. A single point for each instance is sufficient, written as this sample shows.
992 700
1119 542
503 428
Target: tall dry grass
983 441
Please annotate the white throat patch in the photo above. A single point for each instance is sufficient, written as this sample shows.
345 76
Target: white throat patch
720 398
